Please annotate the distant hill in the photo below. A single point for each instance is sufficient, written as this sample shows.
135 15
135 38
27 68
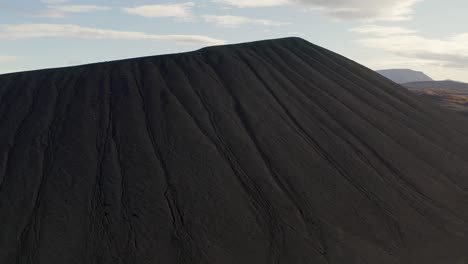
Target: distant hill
440 85
404 75
449 94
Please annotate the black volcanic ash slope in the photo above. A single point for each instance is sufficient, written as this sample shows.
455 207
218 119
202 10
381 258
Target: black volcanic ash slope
267 152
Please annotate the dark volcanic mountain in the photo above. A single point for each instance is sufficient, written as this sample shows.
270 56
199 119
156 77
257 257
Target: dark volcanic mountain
449 94
268 152
404 75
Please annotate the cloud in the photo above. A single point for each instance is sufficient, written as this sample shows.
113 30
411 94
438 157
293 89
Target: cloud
27 31
370 10
447 52
60 11
253 3
180 11
53 2
382 31
5 58
50 13
236 21
78 8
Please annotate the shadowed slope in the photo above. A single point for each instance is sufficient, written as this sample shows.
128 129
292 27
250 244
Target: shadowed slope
267 152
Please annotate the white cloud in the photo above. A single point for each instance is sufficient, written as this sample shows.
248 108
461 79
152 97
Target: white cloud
60 11
180 11
406 43
53 2
382 30
50 13
252 3
236 21
370 10
5 58
25 31
78 8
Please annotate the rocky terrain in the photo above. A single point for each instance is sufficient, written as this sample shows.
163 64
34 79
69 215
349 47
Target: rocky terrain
448 94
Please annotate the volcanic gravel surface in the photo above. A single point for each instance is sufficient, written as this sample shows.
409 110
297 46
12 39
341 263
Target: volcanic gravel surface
275 151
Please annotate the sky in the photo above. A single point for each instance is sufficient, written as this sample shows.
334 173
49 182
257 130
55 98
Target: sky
425 35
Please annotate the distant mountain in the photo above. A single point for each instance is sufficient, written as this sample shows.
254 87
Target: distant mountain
449 94
404 75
